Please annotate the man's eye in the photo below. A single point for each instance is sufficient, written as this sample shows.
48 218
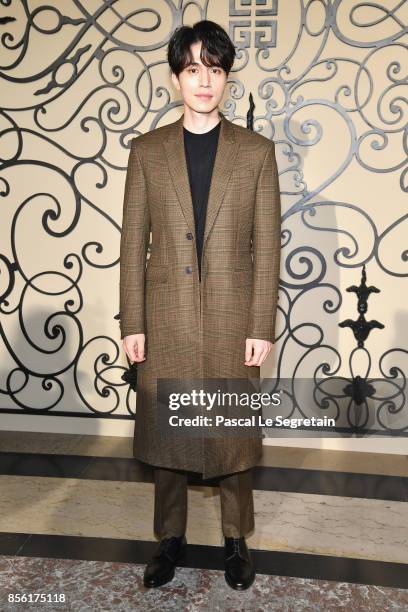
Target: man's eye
216 70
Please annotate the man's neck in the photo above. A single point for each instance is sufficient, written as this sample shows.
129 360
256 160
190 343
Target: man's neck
200 123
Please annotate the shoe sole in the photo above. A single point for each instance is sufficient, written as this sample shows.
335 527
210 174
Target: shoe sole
238 587
165 580
170 576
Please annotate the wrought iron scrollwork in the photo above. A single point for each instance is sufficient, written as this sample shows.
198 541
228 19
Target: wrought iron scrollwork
82 127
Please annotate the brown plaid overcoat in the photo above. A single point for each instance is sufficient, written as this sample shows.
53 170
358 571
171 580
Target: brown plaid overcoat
198 330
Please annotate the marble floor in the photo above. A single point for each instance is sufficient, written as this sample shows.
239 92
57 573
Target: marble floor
76 524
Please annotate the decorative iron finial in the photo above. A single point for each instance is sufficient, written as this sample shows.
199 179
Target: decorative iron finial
250 113
361 328
130 376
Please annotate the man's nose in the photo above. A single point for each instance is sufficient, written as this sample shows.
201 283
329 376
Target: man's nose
205 78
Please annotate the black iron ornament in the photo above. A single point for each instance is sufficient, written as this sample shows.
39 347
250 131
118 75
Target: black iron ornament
361 327
359 389
130 376
250 113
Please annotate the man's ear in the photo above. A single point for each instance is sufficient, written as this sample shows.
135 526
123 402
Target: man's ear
175 80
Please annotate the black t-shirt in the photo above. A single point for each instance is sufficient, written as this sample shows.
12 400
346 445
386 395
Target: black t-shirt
200 152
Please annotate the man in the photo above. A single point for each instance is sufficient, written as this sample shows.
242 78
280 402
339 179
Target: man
205 304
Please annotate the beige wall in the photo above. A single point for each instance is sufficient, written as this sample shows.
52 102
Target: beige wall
330 98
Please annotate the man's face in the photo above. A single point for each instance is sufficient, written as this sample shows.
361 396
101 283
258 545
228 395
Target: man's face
198 79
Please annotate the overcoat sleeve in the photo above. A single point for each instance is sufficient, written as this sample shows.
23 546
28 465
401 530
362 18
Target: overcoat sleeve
133 247
266 245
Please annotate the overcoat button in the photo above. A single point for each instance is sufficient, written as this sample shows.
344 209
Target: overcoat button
189 269
189 236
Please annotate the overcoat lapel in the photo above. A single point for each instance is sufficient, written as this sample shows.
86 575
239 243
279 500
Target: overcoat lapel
223 165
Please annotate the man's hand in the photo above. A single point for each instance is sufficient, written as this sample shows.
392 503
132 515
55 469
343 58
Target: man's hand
134 346
260 349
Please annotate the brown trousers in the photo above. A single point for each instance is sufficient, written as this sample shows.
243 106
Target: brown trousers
170 503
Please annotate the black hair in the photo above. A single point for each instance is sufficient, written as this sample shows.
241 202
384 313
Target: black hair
217 48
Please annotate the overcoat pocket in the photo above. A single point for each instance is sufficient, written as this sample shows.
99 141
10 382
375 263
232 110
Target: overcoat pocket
243 278
156 274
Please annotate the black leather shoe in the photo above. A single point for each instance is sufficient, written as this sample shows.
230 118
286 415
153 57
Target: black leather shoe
162 565
239 571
